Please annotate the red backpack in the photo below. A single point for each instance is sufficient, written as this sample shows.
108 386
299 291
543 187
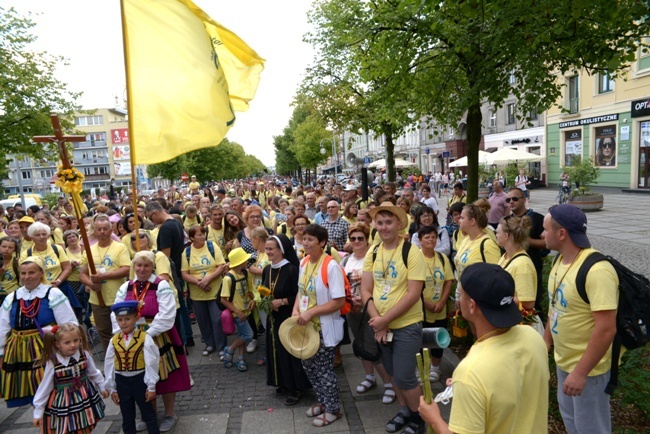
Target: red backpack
347 307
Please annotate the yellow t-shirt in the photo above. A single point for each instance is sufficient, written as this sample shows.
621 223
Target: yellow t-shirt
163 266
391 281
255 280
469 252
523 272
201 264
51 260
194 186
243 294
188 223
9 280
462 235
437 274
452 200
572 322
307 288
57 237
79 257
216 236
109 259
126 240
501 386
29 244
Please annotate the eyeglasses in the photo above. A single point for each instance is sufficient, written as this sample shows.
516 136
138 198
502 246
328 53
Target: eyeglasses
426 216
141 236
355 239
254 216
513 199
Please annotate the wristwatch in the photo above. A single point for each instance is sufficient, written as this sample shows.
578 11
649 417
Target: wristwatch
282 301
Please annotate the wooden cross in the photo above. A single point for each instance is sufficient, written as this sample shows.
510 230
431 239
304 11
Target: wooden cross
61 141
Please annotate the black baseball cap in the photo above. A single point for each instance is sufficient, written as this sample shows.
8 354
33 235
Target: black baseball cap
493 289
574 220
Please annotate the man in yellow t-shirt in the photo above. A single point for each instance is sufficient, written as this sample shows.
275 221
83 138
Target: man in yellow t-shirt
502 384
194 186
215 229
112 261
395 310
581 332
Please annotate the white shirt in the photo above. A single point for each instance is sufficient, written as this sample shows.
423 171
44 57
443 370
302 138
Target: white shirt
151 362
47 384
164 319
432 203
58 303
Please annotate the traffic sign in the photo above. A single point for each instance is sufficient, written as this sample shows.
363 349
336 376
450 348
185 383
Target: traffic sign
428 151
366 160
185 177
446 154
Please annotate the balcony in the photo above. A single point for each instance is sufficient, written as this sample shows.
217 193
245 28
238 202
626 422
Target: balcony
98 177
93 160
92 144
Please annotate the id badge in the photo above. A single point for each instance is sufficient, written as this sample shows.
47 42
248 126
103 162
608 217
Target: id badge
436 292
304 303
385 291
102 270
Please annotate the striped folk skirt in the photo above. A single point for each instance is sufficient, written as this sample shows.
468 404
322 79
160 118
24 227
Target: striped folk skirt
20 378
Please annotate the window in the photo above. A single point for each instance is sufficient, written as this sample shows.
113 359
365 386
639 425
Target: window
82 121
493 118
48 173
574 94
533 115
572 146
510 108
512 79
644 56
87 171
605 83
27 174
95 137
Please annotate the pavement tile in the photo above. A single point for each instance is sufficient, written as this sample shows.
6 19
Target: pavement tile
278 421
5 412
303 424
203 424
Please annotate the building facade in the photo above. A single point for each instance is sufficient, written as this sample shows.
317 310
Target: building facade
606 120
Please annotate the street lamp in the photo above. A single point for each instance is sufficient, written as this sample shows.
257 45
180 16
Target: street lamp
335 157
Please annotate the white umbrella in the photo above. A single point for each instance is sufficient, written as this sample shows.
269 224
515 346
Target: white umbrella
399 163
483 158
511 155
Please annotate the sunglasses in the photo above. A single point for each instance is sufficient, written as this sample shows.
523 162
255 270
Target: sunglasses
513 199
141 236
355 239
608 145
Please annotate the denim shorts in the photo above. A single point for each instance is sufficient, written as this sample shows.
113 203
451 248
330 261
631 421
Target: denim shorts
244 329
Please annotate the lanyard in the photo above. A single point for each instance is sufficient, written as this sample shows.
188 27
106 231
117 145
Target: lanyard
557 284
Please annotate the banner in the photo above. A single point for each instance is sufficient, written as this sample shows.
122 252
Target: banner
121 153
120 135
123 168
185 75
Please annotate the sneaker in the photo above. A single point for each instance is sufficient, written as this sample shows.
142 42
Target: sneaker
434 374
208 350
140 426
221 355
191 381
168 423
252 346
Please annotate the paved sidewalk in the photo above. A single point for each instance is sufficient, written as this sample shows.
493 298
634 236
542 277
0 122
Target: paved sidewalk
226 401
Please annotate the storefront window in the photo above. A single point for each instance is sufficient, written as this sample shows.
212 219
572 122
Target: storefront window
572 146
644 156
606 146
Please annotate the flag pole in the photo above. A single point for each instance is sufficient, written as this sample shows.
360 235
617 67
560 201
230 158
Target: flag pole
129 106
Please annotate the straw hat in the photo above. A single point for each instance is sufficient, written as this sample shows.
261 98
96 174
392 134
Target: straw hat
301 341
393 209
237 257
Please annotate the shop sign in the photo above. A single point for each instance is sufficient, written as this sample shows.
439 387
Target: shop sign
640 107
589 121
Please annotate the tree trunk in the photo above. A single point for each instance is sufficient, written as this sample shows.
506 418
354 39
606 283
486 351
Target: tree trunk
474 119
387 129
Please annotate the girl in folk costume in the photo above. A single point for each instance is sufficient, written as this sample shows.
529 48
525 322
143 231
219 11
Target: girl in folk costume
68 398
157 317
24 317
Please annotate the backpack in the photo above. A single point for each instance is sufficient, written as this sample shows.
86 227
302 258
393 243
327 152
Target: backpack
188 250
54 247
198 219
222 306
633 311
347 307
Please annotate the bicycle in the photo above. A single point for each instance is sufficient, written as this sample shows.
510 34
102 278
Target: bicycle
563 193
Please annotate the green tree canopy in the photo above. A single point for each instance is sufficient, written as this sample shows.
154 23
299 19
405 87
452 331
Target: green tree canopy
29 92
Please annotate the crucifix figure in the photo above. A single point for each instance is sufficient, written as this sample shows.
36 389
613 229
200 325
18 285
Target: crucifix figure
61 141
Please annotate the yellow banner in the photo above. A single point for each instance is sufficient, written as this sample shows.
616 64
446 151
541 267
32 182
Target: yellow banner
186 74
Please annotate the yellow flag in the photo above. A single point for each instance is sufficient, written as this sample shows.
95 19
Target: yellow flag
186 74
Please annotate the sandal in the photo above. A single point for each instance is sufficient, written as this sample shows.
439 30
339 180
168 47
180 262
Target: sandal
396 423
293 399
227 358
241 365
326 419
261 361
389 395
366 385
315 410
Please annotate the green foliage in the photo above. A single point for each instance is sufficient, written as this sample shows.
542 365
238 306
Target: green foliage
29 92
307 137
51 198
584 172
412 170
511 173
634 378
228 160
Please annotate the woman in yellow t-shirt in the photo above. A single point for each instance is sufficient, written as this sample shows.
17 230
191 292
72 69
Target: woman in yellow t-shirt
512 235
202 272
259 235
56 233
477 246
9 266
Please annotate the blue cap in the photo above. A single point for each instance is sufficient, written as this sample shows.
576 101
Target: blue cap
125 307
574 220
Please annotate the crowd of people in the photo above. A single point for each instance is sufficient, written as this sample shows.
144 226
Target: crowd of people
304 264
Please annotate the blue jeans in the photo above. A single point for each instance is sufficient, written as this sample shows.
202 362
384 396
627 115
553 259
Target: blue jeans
244 330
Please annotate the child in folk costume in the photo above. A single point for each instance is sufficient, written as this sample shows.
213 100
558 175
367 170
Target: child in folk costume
68 399
131 368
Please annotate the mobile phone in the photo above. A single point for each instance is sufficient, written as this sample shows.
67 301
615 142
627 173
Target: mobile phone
389 337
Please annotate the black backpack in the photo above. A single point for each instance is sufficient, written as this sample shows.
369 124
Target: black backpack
233 288
633 312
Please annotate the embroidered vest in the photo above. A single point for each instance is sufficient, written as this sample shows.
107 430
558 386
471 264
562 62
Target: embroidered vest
129 358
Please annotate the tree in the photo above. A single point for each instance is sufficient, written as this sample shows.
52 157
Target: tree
170 169
444 59
29 92
307 138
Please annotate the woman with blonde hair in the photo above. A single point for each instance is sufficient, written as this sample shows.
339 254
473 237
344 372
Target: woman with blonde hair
350 212
45 217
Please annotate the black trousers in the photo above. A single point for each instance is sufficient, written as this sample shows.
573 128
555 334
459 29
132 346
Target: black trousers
132 391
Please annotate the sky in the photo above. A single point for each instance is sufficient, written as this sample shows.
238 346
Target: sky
88 34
